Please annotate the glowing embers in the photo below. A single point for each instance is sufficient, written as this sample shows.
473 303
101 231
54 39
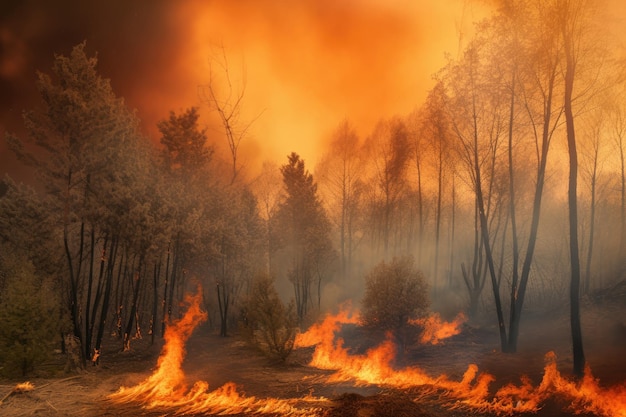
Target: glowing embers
166 387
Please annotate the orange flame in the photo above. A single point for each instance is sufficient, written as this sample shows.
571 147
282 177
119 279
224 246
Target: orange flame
166 387
435 329
324 332
472 391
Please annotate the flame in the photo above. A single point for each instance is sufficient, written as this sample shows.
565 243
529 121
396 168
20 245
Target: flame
435 329
471 393
324 332
166 387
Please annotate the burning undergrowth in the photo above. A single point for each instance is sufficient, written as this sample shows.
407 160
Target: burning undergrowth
406 388
472 393
166 388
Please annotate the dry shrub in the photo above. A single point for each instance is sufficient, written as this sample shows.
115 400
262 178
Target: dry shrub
394 292
268 324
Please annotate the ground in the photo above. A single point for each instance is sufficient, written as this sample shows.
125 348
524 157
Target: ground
219 360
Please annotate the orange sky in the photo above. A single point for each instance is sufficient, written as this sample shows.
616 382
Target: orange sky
309 64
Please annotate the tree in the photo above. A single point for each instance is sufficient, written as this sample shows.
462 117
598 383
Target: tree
228 106
74 141
437 130
28 314
388 151
303 231
532 54
339 172
267 188
185 144
475 109
394 292
591 169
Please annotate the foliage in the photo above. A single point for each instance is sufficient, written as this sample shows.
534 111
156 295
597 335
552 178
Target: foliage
394 292
28 316
268 323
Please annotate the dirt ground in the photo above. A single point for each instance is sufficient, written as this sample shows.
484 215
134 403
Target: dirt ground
220 360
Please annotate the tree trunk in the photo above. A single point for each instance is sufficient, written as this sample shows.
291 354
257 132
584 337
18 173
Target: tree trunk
592 221
88 329
107 295
133 307
518 293
577 338
438 217
164 300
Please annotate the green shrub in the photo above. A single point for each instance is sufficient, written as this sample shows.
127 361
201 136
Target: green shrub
394 292
268 324
28 317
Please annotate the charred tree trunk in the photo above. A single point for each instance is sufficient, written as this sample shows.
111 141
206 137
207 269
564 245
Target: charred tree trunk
167 280
518 293
88 329
577 338
592 222
155 300
133 307
107 296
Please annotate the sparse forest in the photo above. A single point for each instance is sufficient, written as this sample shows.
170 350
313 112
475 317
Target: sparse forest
503 192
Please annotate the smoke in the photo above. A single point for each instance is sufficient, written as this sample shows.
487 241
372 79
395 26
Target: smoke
305 66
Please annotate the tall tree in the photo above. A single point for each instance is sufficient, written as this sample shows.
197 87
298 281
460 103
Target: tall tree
437 129
74 141
388 151
304 229
339 172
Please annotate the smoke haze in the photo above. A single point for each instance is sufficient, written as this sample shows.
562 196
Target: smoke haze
305 67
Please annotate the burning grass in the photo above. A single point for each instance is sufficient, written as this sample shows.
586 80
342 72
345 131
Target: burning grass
408 390
166 388
470 394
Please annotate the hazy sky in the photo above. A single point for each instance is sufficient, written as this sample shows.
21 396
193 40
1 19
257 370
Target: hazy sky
307 64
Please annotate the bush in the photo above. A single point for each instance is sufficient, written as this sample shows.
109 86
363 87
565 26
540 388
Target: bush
268 324
28 317
394 292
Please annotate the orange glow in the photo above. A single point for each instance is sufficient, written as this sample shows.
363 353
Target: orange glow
435 329
307 66
166 388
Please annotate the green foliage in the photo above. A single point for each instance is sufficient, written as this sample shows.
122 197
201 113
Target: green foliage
394 292
28 316
269 324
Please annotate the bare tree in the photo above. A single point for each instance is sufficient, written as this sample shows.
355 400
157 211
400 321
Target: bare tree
339 172
228 104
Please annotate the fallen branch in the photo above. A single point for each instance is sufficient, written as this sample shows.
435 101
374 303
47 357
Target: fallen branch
28 386
22 387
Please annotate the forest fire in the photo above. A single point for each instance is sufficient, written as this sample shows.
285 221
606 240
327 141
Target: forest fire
166 388
472 392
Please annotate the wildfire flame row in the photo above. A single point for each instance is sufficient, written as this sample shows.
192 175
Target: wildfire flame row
375 367
166 387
